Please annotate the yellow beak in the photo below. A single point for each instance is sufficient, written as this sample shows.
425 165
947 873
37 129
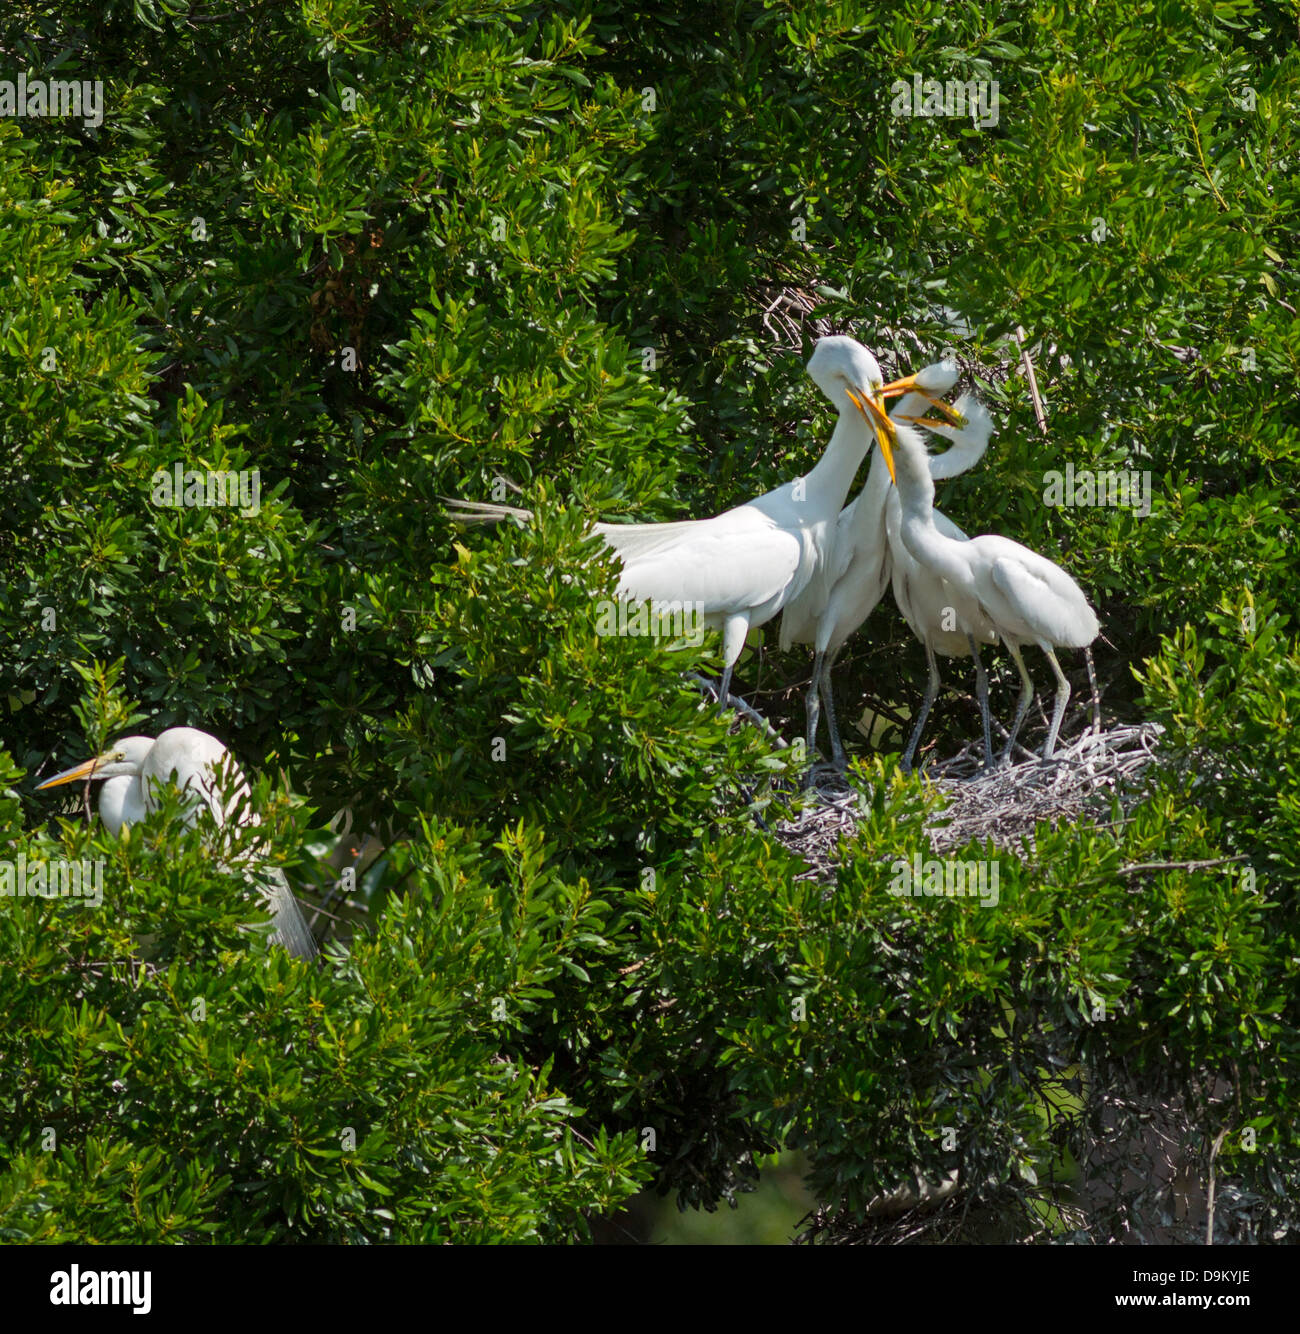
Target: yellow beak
956 419
908 385
872 407
83 770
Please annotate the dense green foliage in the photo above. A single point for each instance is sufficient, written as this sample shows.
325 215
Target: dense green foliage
385 252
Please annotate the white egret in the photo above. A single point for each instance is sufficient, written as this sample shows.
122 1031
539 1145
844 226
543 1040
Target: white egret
133 767
859 565
741 567
1028 599
923 597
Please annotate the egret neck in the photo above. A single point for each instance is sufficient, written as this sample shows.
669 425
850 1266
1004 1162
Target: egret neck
922 538
827 485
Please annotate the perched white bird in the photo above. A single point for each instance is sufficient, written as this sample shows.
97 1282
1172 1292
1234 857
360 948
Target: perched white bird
741 567
1028 599
133 767
859 564
923 597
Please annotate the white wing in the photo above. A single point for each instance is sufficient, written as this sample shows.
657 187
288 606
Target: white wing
737 561
1046 602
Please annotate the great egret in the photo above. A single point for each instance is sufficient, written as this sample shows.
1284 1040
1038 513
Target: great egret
1028 599
741 567
133 767
923 597
860 564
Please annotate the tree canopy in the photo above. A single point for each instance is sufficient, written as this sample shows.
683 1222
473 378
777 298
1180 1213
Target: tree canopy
376 254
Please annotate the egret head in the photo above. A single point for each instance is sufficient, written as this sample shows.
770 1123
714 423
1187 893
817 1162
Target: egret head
850 377
122 759
848 374
839 364
936 379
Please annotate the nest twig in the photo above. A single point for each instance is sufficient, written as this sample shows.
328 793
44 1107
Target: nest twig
815 834
787 311
1003 807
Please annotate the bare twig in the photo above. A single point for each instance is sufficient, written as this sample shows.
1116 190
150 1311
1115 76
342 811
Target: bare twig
745 711
1178 866
1209 1199
1033 381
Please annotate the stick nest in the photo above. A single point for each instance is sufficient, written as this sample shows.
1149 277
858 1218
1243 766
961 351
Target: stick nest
1077 784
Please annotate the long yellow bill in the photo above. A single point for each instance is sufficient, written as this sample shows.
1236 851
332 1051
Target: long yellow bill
875 413
83 770
908 385
955 419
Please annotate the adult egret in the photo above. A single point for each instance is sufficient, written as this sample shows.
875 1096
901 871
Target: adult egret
860 564
923 597
133 767
1028 598
741 567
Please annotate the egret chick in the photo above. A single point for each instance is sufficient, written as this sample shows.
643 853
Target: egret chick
923 597
1028 598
